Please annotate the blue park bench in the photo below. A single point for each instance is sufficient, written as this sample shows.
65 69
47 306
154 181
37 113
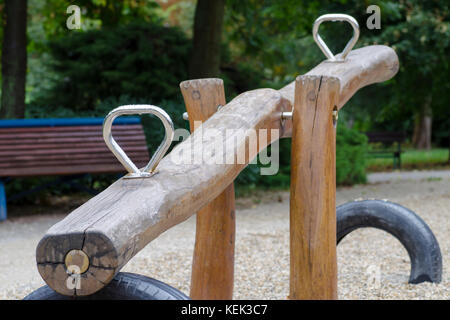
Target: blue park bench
64 147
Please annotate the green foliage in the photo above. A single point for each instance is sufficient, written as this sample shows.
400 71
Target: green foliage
265 32
52 15
419 32
413 160
275 36
240 77
139 60
351 150
351 153
2 10
251 177
441 127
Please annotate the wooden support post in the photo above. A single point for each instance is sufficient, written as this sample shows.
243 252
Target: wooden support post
318 95
213 261
313 189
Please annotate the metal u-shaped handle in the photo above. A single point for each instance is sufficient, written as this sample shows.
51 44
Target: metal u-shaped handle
335 17
149 169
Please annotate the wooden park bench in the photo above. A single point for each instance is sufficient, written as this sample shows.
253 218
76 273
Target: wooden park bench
387 138
64 147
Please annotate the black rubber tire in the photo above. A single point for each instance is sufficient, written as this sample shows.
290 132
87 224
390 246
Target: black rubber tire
124 286
402 223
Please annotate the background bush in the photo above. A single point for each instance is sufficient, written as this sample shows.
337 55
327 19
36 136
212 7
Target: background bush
138 60
351 152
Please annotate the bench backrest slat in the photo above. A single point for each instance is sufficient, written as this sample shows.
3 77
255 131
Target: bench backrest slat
63 122
386 136
32 147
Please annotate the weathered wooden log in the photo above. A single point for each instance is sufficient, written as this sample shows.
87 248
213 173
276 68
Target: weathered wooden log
213 261
113 226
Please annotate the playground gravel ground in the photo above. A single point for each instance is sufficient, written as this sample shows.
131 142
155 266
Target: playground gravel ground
262 246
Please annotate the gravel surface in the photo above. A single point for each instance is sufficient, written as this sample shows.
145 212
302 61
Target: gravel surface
262 252
408 175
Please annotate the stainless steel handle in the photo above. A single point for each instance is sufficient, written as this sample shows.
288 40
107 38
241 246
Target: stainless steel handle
322 45
149 169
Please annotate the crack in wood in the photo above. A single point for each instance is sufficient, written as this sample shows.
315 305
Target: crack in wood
315 106
44 263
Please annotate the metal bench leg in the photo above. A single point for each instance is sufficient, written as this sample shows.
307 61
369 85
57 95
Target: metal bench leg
3 214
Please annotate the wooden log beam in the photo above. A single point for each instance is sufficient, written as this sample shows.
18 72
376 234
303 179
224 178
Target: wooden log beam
116 224
213 261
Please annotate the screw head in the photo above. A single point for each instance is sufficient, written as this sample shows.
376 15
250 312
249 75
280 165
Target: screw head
77 261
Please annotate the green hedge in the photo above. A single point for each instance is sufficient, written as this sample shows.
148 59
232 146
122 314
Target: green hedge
351 151
141 59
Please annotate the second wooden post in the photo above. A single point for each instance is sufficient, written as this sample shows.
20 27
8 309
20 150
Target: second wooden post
313 270
213 261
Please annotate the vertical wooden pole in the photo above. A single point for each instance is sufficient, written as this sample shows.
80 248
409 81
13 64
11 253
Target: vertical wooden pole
213 261
313 265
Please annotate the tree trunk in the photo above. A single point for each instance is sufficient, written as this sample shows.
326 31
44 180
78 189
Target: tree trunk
423 124
205 58
14 59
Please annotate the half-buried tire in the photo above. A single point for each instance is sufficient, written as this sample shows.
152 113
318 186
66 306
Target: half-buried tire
402 223
124 286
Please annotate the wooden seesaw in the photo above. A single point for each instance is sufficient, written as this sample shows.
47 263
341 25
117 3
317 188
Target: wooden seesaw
102 235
